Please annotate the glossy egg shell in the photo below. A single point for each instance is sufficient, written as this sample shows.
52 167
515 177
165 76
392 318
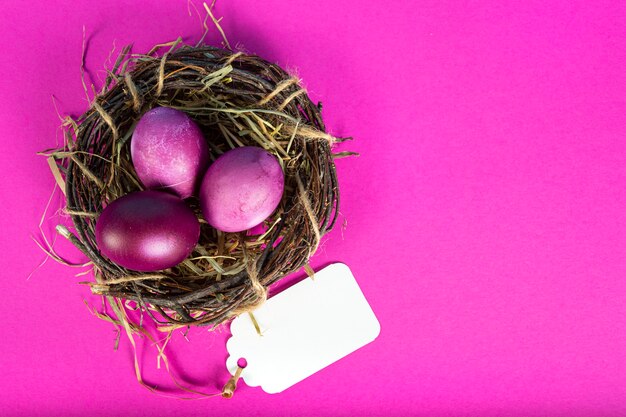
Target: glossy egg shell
147 231
169 151
241 189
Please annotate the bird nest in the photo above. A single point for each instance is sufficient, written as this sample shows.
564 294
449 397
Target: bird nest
237 99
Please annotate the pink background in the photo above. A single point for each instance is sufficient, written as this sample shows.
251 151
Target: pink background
486 216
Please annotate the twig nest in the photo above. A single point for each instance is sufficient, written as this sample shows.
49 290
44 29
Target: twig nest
235 100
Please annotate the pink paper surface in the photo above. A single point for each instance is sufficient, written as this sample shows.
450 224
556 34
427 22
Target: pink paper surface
485 218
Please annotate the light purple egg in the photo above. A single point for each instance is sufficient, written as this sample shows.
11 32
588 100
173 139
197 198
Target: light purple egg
169 151
241 189
147 231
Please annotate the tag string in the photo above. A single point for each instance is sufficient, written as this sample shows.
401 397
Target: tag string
231 385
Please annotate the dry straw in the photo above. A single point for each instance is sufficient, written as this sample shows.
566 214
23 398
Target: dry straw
238 100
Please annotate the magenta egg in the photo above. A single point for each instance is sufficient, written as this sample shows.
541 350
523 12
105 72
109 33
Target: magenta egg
241 189
169 151
147 231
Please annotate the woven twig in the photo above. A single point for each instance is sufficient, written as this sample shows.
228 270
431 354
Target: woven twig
237 100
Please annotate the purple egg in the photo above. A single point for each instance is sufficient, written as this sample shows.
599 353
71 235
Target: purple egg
241 189
169 151
147 231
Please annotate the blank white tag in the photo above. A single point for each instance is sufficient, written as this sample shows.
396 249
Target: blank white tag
303 329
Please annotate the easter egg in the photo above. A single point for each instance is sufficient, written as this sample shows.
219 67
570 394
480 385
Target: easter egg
147 231
241 189
169 151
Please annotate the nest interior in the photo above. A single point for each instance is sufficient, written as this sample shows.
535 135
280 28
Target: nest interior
237 99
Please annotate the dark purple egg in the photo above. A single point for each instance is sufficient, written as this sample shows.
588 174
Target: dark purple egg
241 189
147 231
169 151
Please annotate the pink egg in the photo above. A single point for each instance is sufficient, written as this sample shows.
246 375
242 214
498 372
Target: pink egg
169 151
241 189
147 231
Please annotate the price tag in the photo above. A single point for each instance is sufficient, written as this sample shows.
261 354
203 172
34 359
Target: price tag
303 329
